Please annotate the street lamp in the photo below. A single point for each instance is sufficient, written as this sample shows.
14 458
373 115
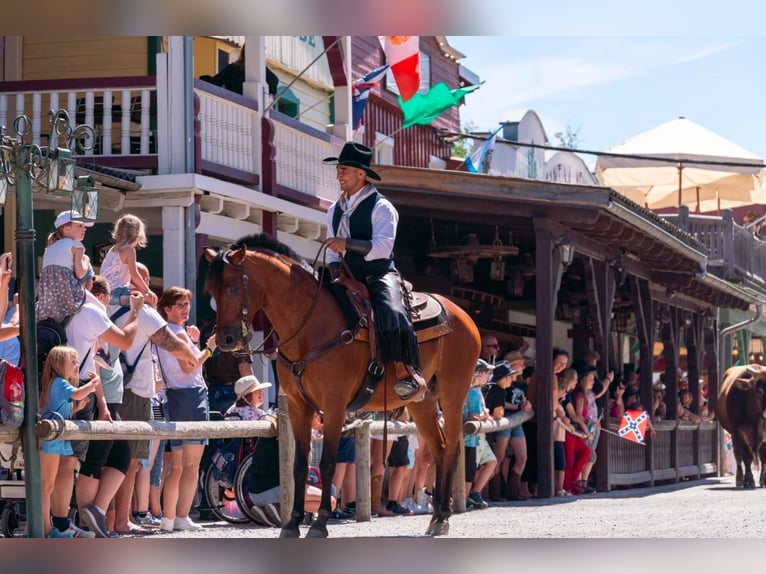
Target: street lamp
52 168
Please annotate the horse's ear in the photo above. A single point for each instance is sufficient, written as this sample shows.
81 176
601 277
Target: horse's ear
210 254
236 257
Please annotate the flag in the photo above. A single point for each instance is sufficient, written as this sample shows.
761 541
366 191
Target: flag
424 108
633 426
360 93
403 55
480 160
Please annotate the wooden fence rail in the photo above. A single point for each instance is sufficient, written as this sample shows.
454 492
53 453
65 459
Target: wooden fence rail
361 429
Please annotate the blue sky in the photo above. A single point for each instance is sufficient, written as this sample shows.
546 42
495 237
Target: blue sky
614 87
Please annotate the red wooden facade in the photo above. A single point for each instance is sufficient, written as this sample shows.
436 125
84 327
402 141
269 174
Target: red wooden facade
415 145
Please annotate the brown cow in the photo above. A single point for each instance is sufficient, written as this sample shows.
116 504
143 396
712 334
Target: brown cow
741 409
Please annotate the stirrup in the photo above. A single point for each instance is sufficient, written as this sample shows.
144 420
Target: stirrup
408 389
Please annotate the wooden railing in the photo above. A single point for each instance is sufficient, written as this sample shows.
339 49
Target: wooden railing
228 128
734 252
123 111
300 150
679 450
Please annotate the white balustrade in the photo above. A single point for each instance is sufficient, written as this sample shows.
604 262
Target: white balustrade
299 162
120 115
226 132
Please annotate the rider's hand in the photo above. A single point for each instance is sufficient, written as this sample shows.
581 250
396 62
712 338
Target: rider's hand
337 244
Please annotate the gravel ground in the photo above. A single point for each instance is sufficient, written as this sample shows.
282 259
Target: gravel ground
710 508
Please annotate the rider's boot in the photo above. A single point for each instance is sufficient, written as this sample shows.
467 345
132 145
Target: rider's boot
410 384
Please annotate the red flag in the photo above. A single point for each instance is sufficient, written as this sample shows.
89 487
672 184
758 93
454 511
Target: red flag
633 426
403 55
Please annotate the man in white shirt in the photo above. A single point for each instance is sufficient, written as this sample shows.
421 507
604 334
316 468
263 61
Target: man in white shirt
362 227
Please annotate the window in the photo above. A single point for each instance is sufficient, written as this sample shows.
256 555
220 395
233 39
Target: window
384 149
223 59
425 76
288 103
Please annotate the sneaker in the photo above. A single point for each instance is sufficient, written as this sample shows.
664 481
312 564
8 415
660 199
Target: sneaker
185 523
167 524
148 520
56 533
77 532
475 498
95 521
397 508
587 489
342 514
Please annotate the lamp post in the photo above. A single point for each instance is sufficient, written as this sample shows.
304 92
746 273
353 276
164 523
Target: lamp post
52 167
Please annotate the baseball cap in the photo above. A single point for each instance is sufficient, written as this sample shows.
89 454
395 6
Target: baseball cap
66 217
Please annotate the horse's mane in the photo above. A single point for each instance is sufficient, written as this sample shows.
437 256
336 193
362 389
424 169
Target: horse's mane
256 242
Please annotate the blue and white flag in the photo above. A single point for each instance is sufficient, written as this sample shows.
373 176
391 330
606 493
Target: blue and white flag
361 91
480 160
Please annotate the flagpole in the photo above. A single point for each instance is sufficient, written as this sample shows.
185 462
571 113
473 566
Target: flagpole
303 71
388 136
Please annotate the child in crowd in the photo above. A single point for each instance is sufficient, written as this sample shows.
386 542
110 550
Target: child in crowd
480 462
65 270
59 393
561 425
119 266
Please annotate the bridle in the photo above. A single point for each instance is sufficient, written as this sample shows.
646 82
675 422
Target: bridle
244 326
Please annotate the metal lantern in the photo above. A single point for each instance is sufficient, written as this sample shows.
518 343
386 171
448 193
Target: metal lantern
566 250
61 172
85 200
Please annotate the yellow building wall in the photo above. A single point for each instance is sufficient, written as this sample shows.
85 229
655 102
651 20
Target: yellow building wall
45 57
206 55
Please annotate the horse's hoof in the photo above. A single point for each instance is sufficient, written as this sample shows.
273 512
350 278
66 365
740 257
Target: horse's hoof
289 533
750 486
438 529
317 532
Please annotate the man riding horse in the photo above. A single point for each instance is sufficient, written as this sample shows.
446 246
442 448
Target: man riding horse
362 227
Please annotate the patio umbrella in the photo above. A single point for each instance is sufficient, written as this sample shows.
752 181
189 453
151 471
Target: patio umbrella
682 163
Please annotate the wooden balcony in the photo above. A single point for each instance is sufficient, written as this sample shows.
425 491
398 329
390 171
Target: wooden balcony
734 252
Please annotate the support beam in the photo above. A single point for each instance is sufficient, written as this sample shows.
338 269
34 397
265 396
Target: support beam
548 268
173 246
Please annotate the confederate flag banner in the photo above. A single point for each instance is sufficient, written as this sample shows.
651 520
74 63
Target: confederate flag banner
633 426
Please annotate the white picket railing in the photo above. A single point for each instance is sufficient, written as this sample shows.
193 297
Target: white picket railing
122 114
300 150
227 131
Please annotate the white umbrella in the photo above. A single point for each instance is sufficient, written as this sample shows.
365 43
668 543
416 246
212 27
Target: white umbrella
698 168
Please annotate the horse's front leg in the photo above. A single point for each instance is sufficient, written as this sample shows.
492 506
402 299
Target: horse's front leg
333 423
300 421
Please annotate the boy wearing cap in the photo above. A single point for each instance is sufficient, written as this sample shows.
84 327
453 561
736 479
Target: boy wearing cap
64 271
475 410
361 227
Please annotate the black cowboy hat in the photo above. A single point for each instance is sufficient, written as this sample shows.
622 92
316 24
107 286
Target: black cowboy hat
583 370
502 370
354 155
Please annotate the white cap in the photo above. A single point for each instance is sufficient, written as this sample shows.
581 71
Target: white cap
66 217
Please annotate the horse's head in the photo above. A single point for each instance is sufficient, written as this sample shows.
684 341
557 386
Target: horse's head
235 300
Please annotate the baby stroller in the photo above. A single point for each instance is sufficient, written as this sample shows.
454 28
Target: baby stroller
12 488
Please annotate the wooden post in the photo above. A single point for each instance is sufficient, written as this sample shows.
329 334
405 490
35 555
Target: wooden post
286 458
458 485
548 271
362 452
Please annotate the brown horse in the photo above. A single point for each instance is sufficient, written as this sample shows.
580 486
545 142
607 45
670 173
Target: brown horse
307 317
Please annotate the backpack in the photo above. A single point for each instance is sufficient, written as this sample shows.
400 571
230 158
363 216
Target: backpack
129 369
12 396
50 333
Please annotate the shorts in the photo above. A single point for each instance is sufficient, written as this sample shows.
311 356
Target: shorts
505 433
187 404
517 432
593 454
346 450
559 456
470 463
135 408
484 452
398 455
59 447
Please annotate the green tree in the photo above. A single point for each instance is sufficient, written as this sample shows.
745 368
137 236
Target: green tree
463 146
570 137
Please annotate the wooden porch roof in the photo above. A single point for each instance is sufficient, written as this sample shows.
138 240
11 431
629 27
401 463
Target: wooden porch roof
602 223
